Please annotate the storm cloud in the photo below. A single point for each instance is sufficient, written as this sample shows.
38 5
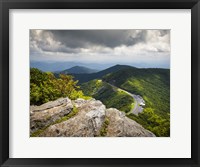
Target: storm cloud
104 46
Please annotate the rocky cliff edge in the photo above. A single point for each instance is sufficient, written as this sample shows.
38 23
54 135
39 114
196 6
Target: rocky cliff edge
82 118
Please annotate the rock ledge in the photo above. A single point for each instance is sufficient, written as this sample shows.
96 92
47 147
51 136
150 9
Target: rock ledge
87 122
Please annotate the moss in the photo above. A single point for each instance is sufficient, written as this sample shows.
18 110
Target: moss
70 115
65 118
104 128
36 133
86 97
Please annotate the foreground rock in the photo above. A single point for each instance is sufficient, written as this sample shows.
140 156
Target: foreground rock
87 122
120 125
85 118
48 113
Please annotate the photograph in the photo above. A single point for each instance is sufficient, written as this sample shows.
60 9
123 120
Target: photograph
99 82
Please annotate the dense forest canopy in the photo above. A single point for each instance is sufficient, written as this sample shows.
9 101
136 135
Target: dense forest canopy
44 87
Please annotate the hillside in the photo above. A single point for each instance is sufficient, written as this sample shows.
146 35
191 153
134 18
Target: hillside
110 96
78 70
153 85
88 77
82 118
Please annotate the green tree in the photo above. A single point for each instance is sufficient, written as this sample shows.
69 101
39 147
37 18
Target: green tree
44 87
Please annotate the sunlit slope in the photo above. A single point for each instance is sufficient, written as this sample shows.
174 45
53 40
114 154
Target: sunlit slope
152 84
88 77
110 96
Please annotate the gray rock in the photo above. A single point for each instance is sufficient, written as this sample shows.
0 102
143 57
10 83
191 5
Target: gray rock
87 123
51 104
79 102
122 126
48 113
92 119
97 117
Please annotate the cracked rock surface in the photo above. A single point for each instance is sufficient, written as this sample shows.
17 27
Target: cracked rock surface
120 125
88 121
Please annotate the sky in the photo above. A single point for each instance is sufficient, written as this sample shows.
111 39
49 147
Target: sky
139 48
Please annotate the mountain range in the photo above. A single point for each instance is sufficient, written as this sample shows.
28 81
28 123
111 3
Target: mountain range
61 66
78 70
87 77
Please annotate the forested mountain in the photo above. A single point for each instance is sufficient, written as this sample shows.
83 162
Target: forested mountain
87 77
110 96
78 70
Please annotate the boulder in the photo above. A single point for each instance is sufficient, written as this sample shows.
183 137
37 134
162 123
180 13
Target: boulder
46 114
87 122
51 104
85 118
122 126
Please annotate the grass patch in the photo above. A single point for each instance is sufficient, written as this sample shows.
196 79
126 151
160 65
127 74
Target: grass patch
36 133
70 115
104 127
86 97
132 107
65 118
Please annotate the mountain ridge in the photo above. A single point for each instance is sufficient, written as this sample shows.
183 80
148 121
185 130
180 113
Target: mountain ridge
87 77
98 75
78 70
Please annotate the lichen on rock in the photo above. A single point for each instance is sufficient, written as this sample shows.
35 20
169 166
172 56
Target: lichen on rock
46 114
84 118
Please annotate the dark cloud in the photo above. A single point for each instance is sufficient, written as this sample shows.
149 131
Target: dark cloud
48 48
100 45
90 38
105 38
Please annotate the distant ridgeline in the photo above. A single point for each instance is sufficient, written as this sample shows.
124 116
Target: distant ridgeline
152 84
78 70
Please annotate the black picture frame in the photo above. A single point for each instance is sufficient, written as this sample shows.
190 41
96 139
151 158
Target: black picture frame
5 5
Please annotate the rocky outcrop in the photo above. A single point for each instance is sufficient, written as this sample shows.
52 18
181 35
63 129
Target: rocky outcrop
83 118
46 114
87 122
120 125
